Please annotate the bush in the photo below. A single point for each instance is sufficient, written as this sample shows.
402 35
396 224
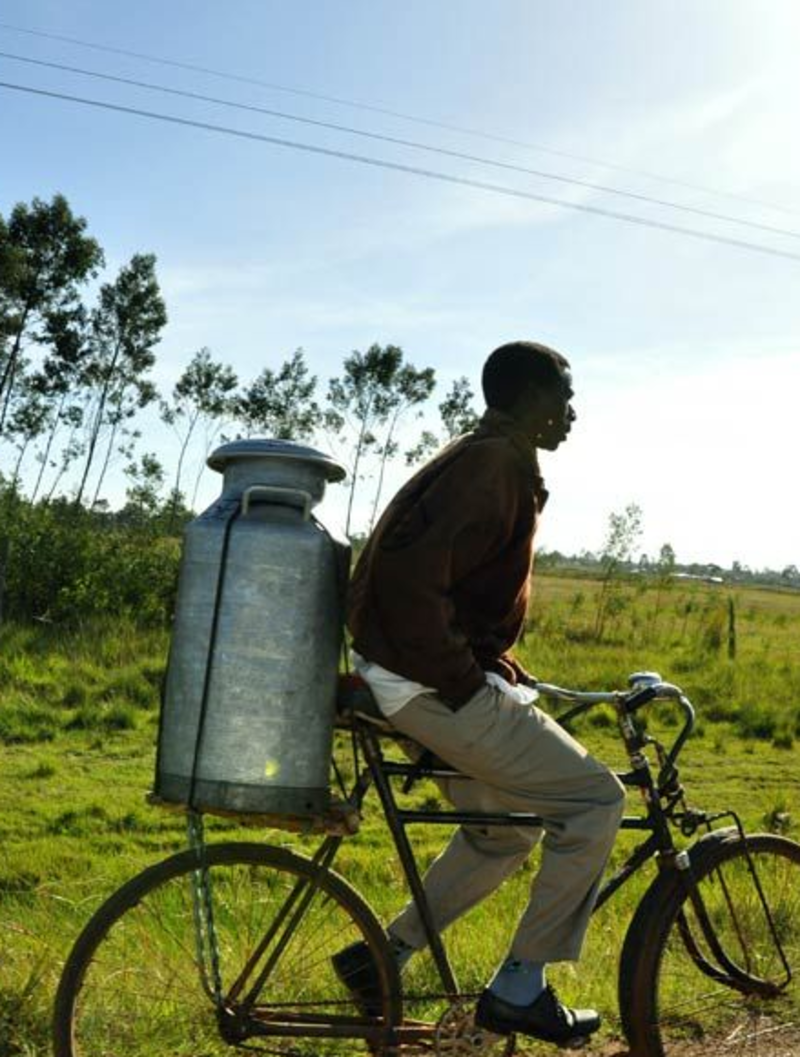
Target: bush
67 565
756 721
105 720
22 723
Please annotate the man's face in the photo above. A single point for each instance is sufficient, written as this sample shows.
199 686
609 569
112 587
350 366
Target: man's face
547 415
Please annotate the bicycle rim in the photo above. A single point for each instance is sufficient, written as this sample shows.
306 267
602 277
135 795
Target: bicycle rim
136 986
710 977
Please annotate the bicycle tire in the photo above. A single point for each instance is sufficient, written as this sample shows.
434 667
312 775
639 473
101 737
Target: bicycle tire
686 989
132 983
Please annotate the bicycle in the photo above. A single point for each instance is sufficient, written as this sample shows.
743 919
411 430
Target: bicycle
228 946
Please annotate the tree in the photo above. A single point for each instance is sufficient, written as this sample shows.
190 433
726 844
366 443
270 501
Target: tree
411 388
60 382
203 393
373 391
457 411
28 421
126 325
281 404
45 256
147 480
458 416
665 570
624 531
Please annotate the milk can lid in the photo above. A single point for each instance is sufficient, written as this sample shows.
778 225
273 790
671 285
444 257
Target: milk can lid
259 448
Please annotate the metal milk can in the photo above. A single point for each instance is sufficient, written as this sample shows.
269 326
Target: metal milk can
248 708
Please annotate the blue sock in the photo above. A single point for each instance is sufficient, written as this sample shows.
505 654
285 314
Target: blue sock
519 981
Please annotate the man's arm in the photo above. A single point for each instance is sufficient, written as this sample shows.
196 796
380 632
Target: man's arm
461 520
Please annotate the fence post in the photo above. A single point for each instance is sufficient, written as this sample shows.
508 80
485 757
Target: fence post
731 627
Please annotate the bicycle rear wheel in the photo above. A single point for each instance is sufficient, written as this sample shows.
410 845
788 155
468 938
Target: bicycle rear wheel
702 971
135 984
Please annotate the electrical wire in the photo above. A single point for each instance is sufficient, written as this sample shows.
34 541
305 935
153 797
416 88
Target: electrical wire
417 119
431 174
460 155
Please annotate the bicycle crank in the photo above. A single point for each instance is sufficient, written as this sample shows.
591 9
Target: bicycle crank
457 1035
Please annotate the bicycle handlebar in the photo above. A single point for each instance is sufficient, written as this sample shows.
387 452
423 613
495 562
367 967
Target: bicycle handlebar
645 687
598 697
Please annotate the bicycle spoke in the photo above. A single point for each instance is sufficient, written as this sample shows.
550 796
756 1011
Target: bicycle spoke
712 968
140 992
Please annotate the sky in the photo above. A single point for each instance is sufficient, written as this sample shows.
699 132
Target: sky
685 351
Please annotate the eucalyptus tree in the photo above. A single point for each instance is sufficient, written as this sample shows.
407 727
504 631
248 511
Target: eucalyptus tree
59 383
45 257
411 388
204 394
375 389
458 416
457 411
146 478
27 421
281 403
125 327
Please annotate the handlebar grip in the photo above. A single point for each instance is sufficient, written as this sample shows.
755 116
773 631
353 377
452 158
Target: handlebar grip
641 697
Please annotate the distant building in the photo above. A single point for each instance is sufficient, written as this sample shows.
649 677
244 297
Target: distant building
706 579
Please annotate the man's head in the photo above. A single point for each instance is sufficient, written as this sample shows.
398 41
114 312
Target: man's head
533 384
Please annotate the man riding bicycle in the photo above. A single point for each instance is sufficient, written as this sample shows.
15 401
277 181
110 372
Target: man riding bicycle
438 599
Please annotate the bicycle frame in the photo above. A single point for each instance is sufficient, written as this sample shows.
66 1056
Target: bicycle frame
398 819
664 802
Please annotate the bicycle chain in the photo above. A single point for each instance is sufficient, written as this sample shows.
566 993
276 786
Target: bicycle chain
457 1035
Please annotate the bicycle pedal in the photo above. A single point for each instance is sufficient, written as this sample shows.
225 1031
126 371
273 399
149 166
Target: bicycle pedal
457 1035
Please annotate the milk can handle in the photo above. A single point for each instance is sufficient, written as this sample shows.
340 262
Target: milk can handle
273 491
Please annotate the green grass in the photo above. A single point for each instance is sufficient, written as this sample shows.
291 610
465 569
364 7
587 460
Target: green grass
78 723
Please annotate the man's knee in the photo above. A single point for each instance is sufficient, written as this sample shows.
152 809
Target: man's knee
615 790
609 800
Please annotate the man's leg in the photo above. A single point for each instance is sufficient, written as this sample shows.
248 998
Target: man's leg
480 857
527 763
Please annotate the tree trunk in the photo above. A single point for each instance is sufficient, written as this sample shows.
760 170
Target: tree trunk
98 423
10 368
48 447
106 461
384 457
179 471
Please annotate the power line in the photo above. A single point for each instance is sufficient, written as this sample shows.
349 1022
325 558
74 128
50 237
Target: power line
462 156
415 118
431 174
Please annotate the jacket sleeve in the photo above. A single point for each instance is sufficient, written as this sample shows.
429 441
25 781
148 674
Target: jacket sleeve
465 517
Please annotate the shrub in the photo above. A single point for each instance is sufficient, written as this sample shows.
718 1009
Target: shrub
103 719
756 721
22 723
67 565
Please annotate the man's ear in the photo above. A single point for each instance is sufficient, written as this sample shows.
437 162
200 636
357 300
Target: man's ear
528 403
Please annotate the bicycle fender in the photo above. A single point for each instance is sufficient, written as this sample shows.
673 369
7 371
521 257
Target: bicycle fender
668 875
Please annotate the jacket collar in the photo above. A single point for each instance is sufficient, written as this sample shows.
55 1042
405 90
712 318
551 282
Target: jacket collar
496 423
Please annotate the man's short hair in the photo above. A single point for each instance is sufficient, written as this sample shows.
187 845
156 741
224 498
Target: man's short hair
519 366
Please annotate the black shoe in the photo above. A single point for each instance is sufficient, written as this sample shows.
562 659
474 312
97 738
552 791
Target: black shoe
546 1018
356 968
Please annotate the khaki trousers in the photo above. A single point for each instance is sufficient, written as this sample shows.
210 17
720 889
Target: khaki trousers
520 760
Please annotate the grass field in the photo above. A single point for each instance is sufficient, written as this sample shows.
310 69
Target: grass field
78 720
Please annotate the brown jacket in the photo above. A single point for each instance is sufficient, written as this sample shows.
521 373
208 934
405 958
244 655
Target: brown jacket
440 591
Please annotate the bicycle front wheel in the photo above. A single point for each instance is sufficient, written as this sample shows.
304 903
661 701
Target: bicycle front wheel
184 960
708 962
